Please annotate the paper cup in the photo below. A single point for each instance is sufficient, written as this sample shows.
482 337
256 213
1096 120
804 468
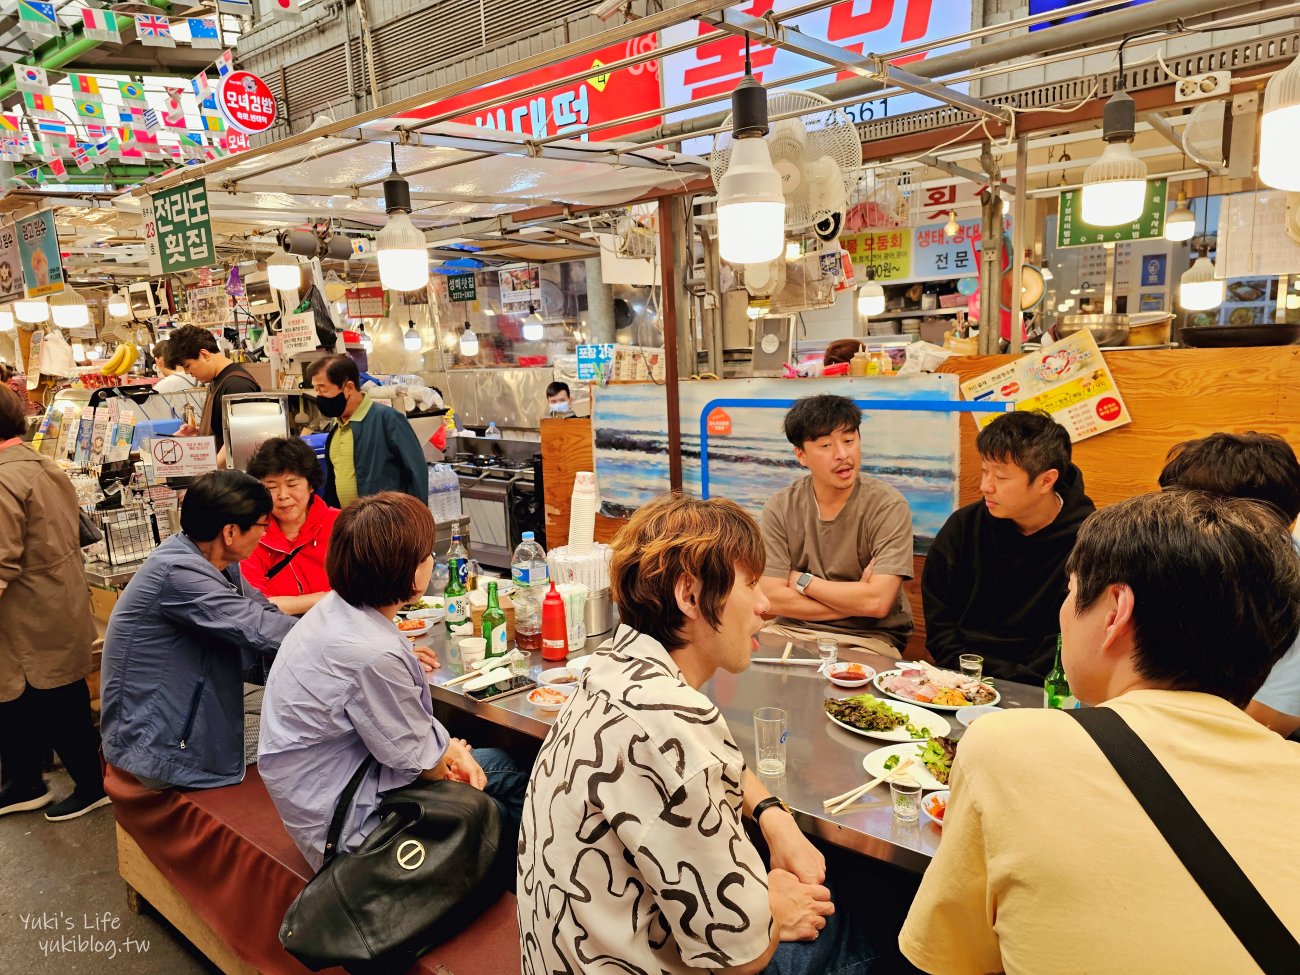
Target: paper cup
472 651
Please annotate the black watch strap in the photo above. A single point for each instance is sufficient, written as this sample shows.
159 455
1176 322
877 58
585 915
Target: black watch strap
767 804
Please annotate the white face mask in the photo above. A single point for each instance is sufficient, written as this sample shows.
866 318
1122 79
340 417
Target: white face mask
562 407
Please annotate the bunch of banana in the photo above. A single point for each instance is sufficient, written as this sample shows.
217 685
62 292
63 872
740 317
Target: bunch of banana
123 359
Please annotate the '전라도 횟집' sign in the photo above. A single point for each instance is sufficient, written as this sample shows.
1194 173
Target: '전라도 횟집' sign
178 228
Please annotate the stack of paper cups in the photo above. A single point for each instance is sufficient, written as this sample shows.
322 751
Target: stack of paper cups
582 512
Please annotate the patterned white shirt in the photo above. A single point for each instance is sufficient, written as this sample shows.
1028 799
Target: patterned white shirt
632 855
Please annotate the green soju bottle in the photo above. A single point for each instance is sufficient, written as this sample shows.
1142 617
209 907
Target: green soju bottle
456 595
1056 689
494 624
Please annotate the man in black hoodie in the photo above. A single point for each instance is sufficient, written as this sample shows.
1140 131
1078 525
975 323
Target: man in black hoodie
995 578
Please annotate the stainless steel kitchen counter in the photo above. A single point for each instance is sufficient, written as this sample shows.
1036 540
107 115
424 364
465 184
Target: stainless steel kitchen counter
822 760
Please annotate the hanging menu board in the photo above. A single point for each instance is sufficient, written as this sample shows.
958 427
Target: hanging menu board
460 287
1071 231
38 248
178 229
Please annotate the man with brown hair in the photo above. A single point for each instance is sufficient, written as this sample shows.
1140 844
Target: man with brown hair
632 853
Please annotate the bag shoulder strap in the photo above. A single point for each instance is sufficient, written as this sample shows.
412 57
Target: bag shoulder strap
349 793
1256 926
281 565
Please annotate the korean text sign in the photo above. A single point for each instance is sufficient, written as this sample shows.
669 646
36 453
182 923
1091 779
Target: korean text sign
1071 231
178 228
11 265
38 248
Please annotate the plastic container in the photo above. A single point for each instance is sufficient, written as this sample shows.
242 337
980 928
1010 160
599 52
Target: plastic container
444 494
530 574
555 629
492 433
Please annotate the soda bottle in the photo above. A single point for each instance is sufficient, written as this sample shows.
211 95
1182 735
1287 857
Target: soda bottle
461 557
1056 689
529 571
494 624
456 595
555 631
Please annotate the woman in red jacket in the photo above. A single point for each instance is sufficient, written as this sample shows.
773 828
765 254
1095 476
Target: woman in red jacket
288 566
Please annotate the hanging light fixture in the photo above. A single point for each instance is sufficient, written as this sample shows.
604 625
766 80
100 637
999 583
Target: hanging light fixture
793 250
468 342
1279 130
1115 186
1198 288
69 308
31 310
412 339
282 271
7 319
952 227
118 306
403 256
871 296
751 205
1181 224
533 326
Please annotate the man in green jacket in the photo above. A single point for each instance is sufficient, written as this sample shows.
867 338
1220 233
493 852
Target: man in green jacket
371 447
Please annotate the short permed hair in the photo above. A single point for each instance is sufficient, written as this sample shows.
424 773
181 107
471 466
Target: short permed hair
1030 439
338 369
286 455
814 417
1258 466
221 498
185 343
1215 581
376 546
675 536
841 350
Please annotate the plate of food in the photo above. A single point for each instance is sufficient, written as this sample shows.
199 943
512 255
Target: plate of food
866 714
934 806
939 690
932 766
850 675
560 677
423 608
550 698
413 628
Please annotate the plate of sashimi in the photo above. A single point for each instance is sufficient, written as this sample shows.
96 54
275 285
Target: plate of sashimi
941 690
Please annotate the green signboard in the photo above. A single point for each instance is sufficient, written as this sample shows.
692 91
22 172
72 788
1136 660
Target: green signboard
460 287
178 229
1071 231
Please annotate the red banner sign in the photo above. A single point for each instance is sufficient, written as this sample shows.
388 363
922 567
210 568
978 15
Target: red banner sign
246 102
601 97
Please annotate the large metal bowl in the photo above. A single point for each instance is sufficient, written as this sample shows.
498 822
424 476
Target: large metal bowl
1106 329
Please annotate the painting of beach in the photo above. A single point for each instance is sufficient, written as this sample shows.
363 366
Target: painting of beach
749 459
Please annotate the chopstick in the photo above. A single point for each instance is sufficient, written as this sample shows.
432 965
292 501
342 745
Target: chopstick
789 645
849 798
464 677
792 662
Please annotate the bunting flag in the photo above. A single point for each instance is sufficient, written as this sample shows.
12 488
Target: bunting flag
148 141
173 115
285 10
29 77
38 19
131 114
212 123
132 93
37 175
89 108
151 120
101 25
199 85
96 133
111 146
81 159
11 150
9 123
204 32
225 63
40 105
154 30
59 170
84 84
242 8
209 104
57 134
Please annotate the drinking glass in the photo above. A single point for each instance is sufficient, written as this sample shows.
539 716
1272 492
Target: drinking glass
972 665
906 794
827 651
771 729
519 662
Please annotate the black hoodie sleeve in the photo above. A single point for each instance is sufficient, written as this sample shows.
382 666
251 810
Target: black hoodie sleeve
943 593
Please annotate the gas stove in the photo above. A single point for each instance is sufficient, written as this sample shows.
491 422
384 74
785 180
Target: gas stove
501 496
492 468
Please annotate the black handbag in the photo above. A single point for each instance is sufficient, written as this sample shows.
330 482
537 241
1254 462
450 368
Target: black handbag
431 866
1260 931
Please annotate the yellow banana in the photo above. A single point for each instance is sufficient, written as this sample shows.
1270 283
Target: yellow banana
110 368
132 353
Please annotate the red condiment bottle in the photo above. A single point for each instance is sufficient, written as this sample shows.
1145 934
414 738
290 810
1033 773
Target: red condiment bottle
555 629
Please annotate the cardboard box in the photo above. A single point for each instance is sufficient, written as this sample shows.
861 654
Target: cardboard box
102 602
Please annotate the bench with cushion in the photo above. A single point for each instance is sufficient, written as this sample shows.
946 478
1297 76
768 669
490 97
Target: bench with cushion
218 864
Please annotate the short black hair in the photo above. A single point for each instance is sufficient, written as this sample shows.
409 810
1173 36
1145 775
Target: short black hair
13 414
186 342
1030 439
1215 581
558 387
160 352
286 455
1258 466
814 417
338 369
376 546
221 498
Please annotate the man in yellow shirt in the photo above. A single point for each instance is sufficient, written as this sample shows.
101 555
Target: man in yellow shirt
1179 604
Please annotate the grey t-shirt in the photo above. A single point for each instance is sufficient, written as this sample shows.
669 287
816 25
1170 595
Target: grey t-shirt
876 523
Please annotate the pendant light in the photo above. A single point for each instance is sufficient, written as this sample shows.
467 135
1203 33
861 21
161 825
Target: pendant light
31 310
751 204
1279 130
282 272
468 342
533 326
403 255
1115 187
1181 224
7 319
871 296
412 339
1198 288
952 227
69 308
118 306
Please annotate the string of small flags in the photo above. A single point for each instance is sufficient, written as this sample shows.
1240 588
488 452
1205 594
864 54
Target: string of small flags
40 19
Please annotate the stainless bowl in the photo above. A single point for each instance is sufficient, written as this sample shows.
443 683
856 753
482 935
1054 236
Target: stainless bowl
1106 329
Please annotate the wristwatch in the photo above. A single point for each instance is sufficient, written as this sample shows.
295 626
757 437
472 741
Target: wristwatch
767 804
802 582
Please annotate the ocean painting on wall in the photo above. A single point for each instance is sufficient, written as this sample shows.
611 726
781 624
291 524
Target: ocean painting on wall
749 458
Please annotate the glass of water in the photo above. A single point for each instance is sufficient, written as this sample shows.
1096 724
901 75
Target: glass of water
906 794
771 729
827 652
972 665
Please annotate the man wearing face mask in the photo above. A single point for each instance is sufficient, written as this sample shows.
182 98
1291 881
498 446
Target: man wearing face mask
371 447
560 400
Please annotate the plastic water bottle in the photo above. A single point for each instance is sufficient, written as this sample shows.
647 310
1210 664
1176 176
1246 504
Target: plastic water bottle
492 433
435 488
530 573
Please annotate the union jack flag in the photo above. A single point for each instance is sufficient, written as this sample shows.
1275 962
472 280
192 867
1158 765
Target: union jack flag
154 30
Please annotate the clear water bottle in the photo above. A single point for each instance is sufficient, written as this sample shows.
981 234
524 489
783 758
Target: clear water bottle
530 574
452 496
435 489
492 433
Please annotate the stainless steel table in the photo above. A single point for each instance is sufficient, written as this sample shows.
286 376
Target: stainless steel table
110 576
822 759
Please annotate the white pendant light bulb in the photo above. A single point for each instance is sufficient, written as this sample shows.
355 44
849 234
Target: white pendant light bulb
7 319
118 306
282 272
412 339
533 327
1198 289
403 254
468 342
1279 130
952 227
1181 224
751 204
1115 185
871 299
69 308
793 250
31 310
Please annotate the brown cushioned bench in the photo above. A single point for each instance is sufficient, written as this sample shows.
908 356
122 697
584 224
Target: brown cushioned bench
218 864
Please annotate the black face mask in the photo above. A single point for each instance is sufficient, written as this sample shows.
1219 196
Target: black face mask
332 406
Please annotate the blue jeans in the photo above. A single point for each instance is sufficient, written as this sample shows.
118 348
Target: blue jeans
840 949
506 784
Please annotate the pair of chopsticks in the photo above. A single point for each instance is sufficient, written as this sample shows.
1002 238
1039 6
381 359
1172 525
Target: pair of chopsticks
785 658
464 677
842 802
